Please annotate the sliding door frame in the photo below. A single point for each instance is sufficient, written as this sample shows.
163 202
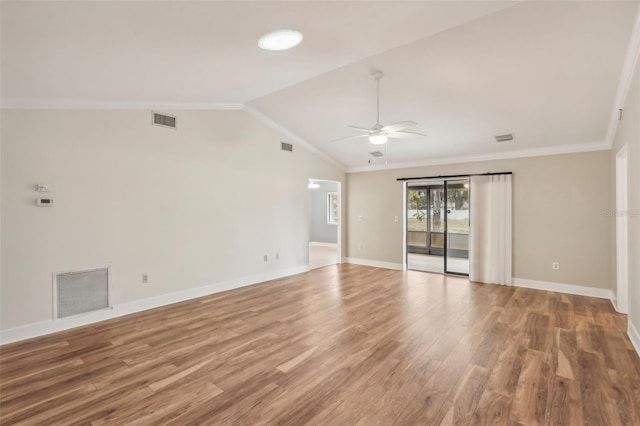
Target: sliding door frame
405 228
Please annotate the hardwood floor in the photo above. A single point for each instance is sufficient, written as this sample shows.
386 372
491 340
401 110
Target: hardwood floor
339 345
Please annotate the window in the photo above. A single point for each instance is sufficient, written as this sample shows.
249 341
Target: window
332 208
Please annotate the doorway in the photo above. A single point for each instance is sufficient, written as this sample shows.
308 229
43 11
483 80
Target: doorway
622 230
324 223
437 226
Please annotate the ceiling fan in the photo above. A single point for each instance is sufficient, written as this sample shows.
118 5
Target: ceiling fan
379 134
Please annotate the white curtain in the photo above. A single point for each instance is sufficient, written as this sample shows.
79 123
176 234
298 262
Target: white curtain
490 235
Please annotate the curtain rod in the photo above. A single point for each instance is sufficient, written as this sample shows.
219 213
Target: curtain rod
454 176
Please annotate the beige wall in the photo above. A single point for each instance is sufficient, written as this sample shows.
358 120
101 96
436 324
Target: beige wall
189 207
628 133
560 205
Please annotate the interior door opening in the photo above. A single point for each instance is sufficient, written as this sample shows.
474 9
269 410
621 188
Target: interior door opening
324 223
437 226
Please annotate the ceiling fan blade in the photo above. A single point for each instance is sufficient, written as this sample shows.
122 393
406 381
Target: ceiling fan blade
350 137
399 126
359 128
404 135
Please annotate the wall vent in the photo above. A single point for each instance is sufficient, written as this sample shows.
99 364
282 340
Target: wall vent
286 146
80 292
164 120
376 154
504 138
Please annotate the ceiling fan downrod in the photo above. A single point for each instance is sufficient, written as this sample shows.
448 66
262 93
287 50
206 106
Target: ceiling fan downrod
377 75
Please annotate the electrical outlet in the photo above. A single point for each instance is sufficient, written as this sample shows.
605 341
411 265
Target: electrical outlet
266 258
359 246
277 256
145 279
555 266
395 219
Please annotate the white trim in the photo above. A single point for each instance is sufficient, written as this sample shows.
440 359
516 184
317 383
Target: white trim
534 152
624 83
289 134
339 229
614 301
83 104
579 290
373 263
46 327
523 153
622 230
405 253
634 336
323 265
321 244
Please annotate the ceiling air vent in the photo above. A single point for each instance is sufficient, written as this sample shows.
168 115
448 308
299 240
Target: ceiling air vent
286 146
376 154
164 120
504 138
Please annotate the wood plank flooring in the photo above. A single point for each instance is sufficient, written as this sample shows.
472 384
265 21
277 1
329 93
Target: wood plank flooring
339 345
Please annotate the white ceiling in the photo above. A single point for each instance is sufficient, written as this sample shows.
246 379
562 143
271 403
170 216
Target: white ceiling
546 71
202 51
465 71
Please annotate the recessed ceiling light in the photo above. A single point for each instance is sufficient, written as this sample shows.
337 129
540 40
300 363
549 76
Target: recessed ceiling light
280 40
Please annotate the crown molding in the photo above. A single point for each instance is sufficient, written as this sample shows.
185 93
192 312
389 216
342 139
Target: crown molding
259 115
630 63
523 153
103 105
82 104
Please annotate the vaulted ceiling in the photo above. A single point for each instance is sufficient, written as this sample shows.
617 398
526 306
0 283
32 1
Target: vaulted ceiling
464 71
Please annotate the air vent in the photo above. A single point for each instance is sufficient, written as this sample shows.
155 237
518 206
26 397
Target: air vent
286 146
504 138
164 120
80 292
376 154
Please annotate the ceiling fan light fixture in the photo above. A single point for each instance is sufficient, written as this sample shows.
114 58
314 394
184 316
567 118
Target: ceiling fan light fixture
378 138
280 40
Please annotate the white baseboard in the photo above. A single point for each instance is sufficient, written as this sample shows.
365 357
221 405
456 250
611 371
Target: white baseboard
320 244
579 290
322 265
634 336
614 302
374 263
52 326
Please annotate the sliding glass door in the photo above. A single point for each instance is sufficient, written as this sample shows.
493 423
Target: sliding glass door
417 222
438 226
457 214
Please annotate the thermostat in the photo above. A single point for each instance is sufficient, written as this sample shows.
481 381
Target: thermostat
44 202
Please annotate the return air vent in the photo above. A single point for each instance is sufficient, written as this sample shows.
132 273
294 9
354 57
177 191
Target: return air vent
504 138
286 146
80 292
376 154
164 120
